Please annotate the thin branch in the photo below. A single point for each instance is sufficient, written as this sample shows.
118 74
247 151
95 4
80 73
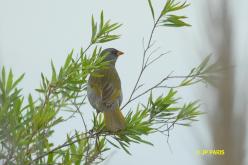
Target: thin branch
138 87
149 45
158 85
78 110
149 56
155 59
143 93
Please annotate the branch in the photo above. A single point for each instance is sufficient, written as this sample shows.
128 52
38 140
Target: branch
143 66
158 85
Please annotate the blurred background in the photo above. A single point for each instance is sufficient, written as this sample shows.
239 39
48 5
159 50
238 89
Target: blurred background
33 32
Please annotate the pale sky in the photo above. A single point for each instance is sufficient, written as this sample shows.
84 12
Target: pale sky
34 32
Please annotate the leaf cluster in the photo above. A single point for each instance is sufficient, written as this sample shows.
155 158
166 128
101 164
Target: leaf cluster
25 129
166 17
204 72
101 32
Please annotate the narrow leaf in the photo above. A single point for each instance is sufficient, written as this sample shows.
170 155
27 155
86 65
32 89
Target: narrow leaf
152 11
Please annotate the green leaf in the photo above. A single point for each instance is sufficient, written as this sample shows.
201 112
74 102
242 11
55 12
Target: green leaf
50 158
54 75
124 147
172 5
113 144
9 82
72 146
152 11
109 38
189 111
44 85
17 81
174 21
40 90
68 59
102 20
93 29
102 34
31 103
3 77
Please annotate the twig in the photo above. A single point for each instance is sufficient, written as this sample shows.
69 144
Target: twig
149 56
149 45
156 58
146 91
78 110
158 85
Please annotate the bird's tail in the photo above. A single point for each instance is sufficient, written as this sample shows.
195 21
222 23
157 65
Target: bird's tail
114 120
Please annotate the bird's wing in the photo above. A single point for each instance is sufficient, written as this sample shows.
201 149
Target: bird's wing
110 92
111 89
104 92
94 92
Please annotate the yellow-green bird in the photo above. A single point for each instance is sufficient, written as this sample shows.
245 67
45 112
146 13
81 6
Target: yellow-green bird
104 92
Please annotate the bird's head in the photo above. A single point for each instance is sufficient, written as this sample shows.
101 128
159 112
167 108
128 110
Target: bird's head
111 54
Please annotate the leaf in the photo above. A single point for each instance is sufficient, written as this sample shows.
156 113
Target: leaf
152 11
113 144
50 158
67 158
72 145
3 77
102 34
109 38
140 140
102 20
189 111
9 81
68 59
17 81
174 21
172 5
93 29
40 90
44 85
123 146
31 103
54 75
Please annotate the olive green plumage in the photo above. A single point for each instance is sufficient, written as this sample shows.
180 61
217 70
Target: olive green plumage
105 94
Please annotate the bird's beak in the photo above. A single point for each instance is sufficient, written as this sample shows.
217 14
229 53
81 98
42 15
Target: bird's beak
119 53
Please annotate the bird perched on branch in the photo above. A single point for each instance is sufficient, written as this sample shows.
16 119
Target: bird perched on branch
104 91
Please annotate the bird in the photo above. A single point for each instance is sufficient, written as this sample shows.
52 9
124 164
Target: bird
104 92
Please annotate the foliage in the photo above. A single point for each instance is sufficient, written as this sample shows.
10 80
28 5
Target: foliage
168 19
26 125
